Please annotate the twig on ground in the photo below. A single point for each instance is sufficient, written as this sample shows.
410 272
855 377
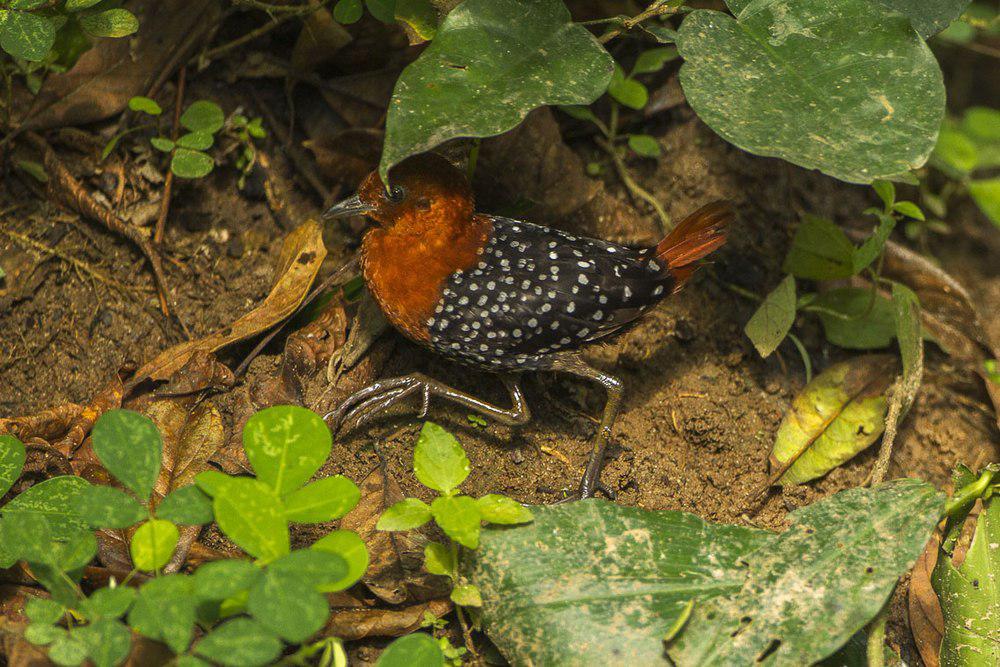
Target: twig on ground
168 184
627 24
64 186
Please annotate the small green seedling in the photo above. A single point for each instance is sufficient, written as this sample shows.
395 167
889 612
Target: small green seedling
188 156
852 317
249 610
245 130
441 465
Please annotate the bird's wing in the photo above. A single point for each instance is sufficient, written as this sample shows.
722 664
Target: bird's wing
537 290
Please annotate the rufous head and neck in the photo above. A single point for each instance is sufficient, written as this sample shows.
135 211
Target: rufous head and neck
425 229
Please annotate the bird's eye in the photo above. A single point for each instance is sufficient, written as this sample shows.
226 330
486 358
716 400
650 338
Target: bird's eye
396 193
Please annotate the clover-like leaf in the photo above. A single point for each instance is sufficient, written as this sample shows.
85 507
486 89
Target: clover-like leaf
153 544
55 501
221 579
288 604
286 445
187 506
250 513
12 457
323 500
164 610
415 650
203 116
763 80
460 86
108 642
187 163
130 447
349 546
107 507
241 642
439 462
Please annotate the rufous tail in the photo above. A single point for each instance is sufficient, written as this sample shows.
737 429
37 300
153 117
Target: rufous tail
696 236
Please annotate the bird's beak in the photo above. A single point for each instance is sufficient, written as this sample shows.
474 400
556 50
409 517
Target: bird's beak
347 207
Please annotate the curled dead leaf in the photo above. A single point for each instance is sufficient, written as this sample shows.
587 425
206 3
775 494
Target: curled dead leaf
926 618
47 425
109 398
396 571
351 624
836 416
302 253
202 371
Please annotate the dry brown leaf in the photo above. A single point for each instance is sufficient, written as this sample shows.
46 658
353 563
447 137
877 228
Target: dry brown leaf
319 40
202 371
103 80
301 256
108 398
396 571
351 624
190 438
926 618
47 425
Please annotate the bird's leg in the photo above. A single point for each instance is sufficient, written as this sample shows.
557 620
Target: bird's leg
367 403
574 365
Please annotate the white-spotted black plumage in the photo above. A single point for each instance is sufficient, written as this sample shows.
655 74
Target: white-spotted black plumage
537 291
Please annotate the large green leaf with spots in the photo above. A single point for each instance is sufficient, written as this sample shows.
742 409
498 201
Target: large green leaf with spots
595 583
844 86
491 62
929 17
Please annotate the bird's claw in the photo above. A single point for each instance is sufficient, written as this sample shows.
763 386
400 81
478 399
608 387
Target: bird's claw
365 404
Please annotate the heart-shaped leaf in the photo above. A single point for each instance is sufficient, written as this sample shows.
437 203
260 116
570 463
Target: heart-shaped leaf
461 86
846 86
130 447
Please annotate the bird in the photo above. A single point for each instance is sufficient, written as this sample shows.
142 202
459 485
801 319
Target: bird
503 295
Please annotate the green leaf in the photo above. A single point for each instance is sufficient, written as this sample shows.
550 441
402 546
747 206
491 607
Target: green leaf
34 169
107 507
420 15
288 605
162 144
837 415
198 141
203 116
653 60
108 602
416 650
77 5
110 23
12 457
108 642
764 81
42 634
286 445
222 579
348 545
251 515
970 595
164 610
129 446
68 651
25 4
860 322
438 559
886 192
26 36
240 642
75 551
382 10
348 11
819 582
664 560
55 501
578 112
982 123
773 319
322 568
494 508
187 163
986 194
153 544
660 560
458 517
44 611
873 245
466 595
145 105
906 307
929 17
820 251
404 515
909 209
187 506
954 152
323 500
644 145
438 460
460 85
212 481
627 91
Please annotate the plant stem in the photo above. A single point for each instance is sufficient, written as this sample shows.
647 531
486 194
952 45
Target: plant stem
636 190
654 10
968 494
876 639
168 185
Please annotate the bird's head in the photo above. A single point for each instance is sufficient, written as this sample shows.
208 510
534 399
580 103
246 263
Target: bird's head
423 190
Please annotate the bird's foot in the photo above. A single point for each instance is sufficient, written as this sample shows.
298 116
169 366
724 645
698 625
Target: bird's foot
365 404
